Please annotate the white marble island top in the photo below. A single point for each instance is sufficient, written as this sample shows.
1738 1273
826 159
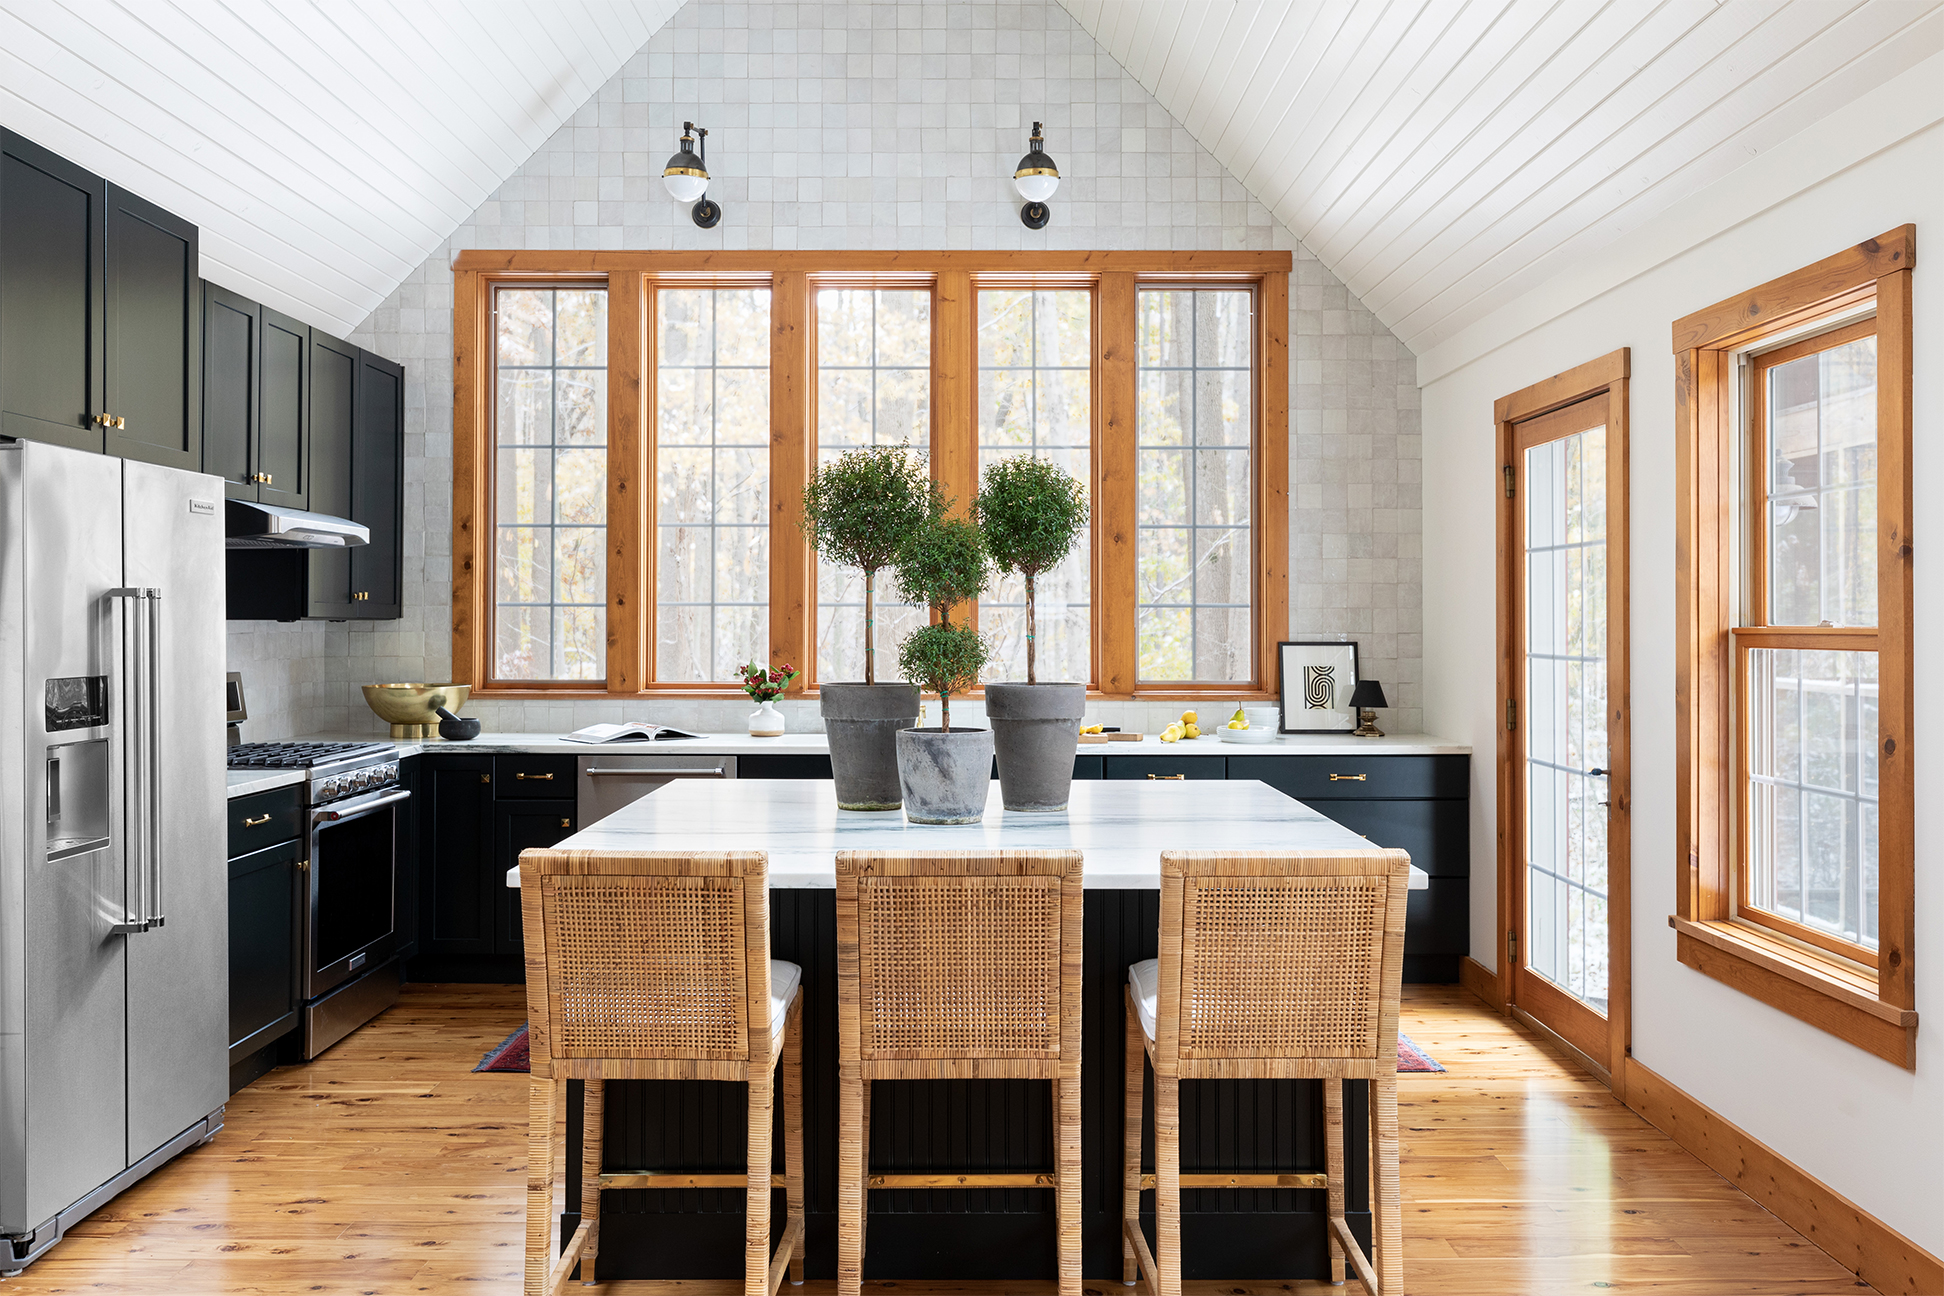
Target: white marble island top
1120 827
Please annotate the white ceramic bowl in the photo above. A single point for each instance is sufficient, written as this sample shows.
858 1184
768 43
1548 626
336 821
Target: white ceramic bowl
1261 717
1248 735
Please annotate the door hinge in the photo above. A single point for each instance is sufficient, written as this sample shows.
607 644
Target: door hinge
1511 713
1508 481
1512 944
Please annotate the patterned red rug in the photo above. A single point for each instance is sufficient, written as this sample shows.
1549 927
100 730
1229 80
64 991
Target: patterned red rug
511 1055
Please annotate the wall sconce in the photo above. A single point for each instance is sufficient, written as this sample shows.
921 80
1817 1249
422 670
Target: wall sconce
1036 178
687 177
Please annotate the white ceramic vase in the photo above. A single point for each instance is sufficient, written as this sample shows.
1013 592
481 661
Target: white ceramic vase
766 722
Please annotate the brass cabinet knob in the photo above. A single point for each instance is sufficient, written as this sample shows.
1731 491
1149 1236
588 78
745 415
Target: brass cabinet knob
103 420
566 823
120 422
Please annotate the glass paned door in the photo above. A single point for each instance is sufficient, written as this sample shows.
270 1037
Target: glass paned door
1565 728
1565 753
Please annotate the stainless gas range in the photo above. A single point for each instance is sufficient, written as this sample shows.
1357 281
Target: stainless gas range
350 921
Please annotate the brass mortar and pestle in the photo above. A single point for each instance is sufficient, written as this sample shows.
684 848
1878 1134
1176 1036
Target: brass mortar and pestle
422 710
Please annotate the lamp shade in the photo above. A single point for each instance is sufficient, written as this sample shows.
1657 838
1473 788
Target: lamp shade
1036 177
1368 693
685 175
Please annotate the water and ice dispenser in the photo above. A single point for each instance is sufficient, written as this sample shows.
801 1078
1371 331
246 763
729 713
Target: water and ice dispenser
77 771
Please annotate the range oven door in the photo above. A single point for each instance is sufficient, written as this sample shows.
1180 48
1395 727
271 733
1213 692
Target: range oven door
351 916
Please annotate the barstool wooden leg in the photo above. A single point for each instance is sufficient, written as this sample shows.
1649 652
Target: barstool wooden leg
756 1216
542 1107
1167 1183
593 1119
1333 1170
793 1133
1066 1100
1134 1083
1387 1226
852 1165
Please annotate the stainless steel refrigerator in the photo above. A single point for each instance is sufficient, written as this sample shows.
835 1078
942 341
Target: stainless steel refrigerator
113 885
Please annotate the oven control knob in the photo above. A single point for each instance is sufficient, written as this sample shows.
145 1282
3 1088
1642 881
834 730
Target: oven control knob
364 779
326 789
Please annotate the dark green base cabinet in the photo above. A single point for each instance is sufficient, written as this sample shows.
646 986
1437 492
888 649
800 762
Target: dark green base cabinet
991 1124
473 816
267 871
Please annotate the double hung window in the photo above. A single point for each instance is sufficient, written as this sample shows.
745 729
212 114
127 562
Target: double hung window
634 432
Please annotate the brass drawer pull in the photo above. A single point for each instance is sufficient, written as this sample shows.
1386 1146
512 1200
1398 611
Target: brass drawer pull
1165 777
257 822
1349 778
538 778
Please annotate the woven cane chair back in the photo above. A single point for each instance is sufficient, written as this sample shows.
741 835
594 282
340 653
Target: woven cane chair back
960 953
645 954
1283 956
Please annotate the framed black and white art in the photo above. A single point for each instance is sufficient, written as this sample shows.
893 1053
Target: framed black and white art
1316 680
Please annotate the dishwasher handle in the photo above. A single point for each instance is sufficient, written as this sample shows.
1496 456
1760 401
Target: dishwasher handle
720 771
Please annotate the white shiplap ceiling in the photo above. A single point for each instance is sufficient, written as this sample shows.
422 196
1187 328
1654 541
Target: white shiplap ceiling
1442 156
325 149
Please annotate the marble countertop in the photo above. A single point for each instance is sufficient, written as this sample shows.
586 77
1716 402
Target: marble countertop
1121 827
813 744
243 782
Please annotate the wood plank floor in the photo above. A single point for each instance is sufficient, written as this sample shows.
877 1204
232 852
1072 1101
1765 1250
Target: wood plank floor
387 1167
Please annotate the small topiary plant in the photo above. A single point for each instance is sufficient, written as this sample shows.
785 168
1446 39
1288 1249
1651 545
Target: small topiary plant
860 509
1032 513
944 563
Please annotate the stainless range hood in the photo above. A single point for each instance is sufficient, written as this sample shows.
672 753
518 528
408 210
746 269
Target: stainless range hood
271 526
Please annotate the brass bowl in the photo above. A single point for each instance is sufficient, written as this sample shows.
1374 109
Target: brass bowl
412 710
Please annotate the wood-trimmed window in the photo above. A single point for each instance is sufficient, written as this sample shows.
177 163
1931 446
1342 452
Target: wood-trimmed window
1795 787
703 558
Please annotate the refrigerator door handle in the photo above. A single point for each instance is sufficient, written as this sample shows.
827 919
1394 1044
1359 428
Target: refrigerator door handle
138 794
152 915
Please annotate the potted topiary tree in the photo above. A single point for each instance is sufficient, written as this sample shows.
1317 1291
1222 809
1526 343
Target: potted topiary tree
1032 514
946 772
859 510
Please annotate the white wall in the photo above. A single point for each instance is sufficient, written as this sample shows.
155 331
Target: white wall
886 125
1871 1130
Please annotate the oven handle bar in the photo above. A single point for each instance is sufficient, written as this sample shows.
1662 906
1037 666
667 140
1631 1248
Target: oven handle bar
336 813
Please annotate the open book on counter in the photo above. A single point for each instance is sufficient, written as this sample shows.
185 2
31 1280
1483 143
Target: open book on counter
630 732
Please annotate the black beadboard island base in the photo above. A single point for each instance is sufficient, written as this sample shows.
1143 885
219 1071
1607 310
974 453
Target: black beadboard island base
1256 1125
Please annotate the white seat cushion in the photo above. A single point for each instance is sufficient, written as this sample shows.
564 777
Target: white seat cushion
1144 978
784 980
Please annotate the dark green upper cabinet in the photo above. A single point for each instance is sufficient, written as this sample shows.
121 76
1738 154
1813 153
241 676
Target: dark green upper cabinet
257 401
283 413
377 491
333 412
154 334
53 337
232 326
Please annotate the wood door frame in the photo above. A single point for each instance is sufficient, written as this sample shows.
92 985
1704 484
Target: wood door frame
1605 378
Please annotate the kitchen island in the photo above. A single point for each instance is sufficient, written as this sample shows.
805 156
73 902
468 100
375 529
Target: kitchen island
1228 1126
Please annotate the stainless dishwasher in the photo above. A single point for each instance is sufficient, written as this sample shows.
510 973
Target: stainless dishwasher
609 781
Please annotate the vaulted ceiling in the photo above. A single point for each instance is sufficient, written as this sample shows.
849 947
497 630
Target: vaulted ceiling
325 149
1440 156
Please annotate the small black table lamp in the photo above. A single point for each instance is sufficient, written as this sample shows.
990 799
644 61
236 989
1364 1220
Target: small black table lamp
1368 693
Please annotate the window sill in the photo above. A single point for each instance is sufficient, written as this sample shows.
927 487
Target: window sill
1824 993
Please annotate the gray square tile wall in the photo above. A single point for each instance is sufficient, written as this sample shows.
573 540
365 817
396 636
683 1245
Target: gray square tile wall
886 125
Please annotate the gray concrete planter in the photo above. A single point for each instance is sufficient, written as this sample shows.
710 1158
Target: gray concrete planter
1035 733
862 723
946 776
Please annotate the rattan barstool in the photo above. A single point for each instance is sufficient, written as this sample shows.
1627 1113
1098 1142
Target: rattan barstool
648 965
1272 966
957 965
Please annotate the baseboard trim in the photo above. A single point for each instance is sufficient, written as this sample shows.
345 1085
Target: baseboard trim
1854 1238
1481 981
